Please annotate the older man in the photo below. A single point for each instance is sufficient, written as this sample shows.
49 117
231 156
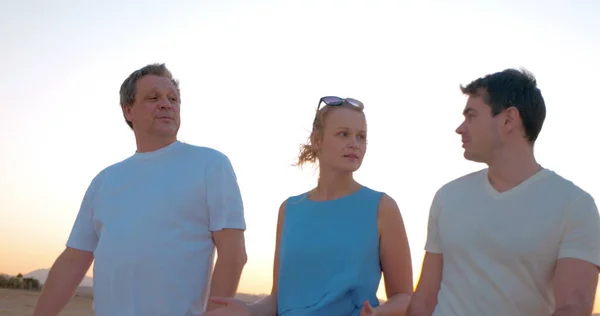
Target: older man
152 221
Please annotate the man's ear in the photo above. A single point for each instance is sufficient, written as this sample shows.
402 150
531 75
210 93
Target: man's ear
127 112
512 118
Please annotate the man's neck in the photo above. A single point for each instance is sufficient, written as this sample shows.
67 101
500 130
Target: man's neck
511 167
150 145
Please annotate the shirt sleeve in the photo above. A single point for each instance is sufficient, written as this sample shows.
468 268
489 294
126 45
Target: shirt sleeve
433 238
83 233
581 231
225 206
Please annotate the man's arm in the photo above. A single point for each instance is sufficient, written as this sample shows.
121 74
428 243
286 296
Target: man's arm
227 225
72 264
575 283
264 307
576 272
424 300
231 258
64 277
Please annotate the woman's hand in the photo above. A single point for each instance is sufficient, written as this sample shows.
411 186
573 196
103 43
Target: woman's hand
230 307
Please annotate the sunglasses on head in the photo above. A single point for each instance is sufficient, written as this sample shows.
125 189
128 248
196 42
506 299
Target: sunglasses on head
337 101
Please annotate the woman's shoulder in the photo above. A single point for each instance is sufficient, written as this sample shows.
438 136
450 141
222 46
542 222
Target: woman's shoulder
298 198
378 194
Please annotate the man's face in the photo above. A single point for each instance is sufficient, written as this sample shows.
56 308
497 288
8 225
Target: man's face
480 131
155 110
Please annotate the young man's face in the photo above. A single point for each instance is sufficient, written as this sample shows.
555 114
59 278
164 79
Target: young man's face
480 131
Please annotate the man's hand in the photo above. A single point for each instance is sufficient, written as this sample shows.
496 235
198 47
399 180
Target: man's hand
228 307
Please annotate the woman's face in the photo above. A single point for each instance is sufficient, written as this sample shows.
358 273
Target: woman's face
343 142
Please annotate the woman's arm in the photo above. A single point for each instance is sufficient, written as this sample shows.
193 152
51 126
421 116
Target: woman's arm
395 259
268 305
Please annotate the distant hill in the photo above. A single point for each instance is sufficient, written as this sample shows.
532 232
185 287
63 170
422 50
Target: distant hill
86 291
42 275
249 298
86 287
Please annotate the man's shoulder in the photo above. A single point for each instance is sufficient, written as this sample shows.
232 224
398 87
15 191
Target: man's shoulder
464 182
185 151
204 152
109 171
563 186
116 167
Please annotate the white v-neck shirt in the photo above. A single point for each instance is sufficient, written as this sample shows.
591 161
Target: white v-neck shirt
149 221
500 249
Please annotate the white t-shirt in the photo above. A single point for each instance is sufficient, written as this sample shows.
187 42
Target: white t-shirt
148 220
500 249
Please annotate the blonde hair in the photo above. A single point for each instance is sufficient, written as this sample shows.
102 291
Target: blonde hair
308 151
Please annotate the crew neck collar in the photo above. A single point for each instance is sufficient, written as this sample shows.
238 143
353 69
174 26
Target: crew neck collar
158 152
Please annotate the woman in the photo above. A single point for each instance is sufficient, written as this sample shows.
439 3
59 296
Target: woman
334 242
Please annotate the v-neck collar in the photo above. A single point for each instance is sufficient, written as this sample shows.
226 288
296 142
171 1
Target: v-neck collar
519 187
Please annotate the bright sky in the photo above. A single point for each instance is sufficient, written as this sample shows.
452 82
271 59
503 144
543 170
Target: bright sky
251 74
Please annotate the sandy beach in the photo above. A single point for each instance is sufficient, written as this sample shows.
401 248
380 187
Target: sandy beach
22 303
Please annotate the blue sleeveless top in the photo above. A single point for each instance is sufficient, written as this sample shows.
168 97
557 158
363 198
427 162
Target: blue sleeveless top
329 255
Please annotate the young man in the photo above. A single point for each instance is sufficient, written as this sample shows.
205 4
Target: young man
516 238
153 221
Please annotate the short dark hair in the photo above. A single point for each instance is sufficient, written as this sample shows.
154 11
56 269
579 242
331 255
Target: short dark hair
128 87
512 88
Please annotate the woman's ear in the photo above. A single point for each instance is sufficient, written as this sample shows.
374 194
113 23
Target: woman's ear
315 142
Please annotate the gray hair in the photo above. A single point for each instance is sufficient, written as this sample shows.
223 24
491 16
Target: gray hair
127 91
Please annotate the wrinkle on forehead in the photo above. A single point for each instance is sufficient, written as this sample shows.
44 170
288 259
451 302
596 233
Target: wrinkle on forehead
152 83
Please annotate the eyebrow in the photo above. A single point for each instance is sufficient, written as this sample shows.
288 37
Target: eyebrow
469 110
154 90
343 128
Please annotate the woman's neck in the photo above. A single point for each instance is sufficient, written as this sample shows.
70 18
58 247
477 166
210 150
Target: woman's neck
333 185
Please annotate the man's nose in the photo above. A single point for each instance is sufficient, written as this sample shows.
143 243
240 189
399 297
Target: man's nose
460 128
165 103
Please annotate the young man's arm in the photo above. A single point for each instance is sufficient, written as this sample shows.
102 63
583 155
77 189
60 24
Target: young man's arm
576 272
227 224
70 267
575 283
424 300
